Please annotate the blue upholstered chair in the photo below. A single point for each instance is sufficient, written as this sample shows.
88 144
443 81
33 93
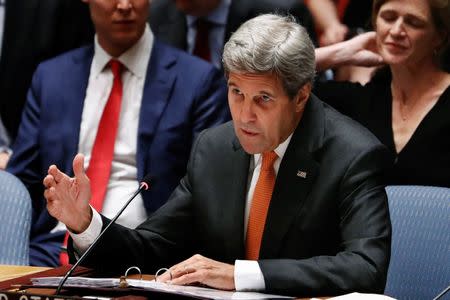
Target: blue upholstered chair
420 253
15 220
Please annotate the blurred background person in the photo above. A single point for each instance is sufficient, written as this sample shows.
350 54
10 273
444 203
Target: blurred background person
407 103
330 29
201 27
336 21
30 32
130 103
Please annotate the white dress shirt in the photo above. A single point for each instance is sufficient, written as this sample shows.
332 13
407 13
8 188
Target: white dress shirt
123 179
247 273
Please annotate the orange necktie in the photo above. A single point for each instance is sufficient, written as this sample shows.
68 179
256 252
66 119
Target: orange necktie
102 153
260 206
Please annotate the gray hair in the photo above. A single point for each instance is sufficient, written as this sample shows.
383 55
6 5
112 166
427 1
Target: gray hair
272 44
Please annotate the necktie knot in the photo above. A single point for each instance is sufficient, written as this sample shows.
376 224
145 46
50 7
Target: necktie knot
268 159
116 67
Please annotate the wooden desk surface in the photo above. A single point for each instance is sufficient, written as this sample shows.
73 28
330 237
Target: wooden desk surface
9 272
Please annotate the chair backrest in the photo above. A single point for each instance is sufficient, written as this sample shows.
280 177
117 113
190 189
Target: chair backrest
420 253
15 220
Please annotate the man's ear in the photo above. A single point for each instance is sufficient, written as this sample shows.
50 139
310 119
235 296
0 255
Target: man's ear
302 97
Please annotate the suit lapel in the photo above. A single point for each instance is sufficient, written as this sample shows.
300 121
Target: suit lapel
157 89
295 179
73 94
234 193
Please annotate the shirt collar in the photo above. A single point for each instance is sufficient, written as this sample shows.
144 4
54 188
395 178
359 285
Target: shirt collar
280 150
134 59
218 16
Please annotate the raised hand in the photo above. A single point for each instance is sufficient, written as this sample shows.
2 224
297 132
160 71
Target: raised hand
68 198
199 269
360 51
363 50
333 34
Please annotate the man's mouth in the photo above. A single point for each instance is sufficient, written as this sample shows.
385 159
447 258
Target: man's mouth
249 132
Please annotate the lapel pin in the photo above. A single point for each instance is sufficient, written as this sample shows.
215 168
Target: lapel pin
301 174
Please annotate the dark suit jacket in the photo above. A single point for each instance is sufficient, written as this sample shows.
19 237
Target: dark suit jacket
326 234
169 24
36 30
176 106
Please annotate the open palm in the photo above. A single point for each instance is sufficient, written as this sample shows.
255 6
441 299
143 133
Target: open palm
68 198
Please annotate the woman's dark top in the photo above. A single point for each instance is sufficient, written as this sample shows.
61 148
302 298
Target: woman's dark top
425 159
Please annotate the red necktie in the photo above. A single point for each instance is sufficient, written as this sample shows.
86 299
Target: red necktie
201 48
102 153
103 150
260 206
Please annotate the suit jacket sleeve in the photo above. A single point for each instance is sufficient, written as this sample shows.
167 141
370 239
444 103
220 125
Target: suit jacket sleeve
165 239
24 162
27 164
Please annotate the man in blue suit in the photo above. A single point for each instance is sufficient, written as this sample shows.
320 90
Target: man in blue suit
168 98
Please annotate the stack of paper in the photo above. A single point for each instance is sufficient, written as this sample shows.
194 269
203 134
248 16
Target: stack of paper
195 291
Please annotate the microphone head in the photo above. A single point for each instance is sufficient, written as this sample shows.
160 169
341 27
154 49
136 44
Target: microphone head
148 181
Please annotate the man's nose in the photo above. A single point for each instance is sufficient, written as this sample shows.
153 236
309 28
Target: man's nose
124 4
247 113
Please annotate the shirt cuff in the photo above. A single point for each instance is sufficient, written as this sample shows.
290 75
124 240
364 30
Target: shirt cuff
248 276
83 240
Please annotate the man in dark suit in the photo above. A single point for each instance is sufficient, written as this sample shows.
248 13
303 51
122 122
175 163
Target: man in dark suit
288 198
174 21
168 98
35 30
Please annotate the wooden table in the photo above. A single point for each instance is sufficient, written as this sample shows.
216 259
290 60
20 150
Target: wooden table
9 272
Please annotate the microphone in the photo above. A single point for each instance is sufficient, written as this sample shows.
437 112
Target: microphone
442 293
145 185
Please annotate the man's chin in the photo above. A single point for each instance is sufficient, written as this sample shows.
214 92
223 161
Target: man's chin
250 148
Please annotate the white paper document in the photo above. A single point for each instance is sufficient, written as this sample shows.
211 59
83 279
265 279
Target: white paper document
194 291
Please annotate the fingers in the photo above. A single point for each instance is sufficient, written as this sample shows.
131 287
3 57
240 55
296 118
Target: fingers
78 166
362 41
180 269
165 277
49 194
49 181
197 276
334 34
199 269
368 58
56 173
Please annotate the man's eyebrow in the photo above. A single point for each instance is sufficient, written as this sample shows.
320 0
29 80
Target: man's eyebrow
267 93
